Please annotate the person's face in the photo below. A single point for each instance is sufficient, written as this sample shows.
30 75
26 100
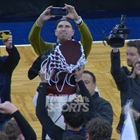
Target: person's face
88 81
132 55
137 67
64 31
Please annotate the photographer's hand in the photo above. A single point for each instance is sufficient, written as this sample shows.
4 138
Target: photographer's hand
72 14
8 42
115 50
45 15
42 77
43 74
78 74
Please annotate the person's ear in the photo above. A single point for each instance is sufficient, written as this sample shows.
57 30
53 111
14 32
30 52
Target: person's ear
73 32
94 84
55 32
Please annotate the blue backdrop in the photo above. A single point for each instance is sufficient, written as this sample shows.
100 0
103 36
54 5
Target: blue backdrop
96 21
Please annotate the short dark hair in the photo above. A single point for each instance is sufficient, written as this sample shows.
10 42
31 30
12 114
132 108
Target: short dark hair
134 43
12 129
65 19
75 113
91 74
99 129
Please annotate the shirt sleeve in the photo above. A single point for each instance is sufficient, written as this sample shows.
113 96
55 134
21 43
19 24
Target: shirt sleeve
12 59
98 107
38 44
118 74
54 131
24 126
86 38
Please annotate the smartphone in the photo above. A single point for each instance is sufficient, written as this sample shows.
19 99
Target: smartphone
4 34
58 11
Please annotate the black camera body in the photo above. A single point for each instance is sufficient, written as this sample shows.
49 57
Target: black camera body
58 11
117 36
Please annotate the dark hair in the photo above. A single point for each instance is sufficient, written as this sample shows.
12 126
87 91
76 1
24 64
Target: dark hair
75 113
3 136
65 19
91 74
75 137
134 43
99 129
12 129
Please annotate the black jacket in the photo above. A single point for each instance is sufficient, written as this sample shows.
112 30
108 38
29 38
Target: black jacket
7 65
35 68
55 132
24 126
128 87
99 107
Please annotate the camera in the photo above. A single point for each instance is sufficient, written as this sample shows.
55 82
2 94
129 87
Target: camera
4 34
58 11
117 36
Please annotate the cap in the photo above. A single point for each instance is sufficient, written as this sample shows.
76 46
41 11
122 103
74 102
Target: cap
65 19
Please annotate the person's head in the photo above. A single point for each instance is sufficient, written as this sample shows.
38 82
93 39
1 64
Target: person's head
136 70
132 51
89 80
3 136
64 29
137 67
12 130
98 129
75 113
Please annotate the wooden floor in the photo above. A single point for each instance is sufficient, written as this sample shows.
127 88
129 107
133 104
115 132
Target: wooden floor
23 89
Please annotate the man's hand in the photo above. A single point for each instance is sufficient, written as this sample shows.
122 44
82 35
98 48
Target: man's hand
45 15
42 77
78 74
72 14
7 108
136 114
8 42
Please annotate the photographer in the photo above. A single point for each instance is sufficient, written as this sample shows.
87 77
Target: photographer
64 30
132 54
7 65
116 40
127 85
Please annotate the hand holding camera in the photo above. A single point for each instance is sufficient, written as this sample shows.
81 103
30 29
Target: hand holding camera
4 34
67 11
118 34
58 11
6 37
50 12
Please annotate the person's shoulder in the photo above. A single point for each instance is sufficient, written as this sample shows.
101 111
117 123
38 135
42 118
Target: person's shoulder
50 45
126 70
103 100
